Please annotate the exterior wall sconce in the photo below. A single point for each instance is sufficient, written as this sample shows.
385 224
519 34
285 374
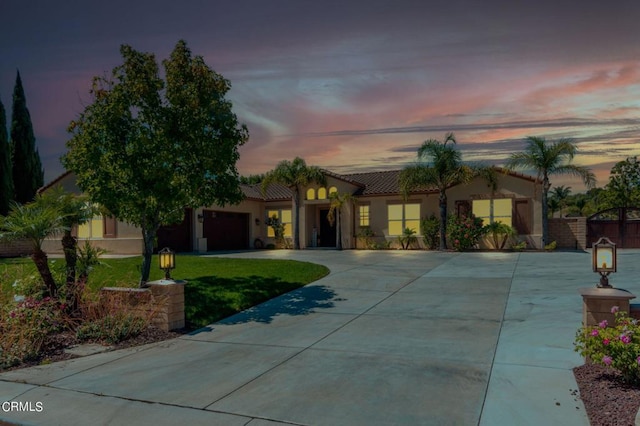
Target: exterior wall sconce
604 260
167 260
257 221
200 218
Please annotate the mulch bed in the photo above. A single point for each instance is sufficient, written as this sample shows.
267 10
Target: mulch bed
54 346
606 398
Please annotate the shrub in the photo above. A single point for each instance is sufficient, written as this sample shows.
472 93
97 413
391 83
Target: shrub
430 227
616 346
278 230
464 232
25 326
365 236
114 317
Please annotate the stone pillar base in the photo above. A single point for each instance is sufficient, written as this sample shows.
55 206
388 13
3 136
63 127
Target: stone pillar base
597 304
164 299
169 297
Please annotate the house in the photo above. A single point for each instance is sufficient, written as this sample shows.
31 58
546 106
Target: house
377 206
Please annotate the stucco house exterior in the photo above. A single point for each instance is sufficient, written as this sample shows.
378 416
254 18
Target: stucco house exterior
376 205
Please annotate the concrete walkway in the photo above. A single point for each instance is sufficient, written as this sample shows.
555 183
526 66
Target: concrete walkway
388 338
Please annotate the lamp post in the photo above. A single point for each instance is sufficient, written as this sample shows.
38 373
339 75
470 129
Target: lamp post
167 260
604 260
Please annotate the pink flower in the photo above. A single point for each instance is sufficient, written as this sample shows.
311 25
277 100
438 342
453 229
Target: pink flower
638 360
625 339
607 360
594 332
606 342
603 324
615 309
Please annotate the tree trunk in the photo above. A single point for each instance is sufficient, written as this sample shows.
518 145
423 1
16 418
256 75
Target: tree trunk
69 245
338 230
443 221
545 211
39 257
148 235
296 222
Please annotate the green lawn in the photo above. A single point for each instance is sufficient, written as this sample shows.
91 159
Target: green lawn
217 287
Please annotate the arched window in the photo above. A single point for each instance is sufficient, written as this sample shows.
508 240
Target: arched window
332 190
322 193
311 194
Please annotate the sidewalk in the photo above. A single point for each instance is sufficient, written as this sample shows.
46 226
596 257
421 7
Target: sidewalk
389 337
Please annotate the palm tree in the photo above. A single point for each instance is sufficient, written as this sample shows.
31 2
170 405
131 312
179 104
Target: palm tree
335 212
295 175
561 193
443 169
34 222
75 210
549 158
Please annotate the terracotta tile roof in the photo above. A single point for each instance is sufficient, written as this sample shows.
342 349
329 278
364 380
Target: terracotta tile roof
275 192
380 183
53 182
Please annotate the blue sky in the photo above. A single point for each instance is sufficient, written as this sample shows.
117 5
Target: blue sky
354 85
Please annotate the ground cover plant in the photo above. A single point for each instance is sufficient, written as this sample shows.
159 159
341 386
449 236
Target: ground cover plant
217 288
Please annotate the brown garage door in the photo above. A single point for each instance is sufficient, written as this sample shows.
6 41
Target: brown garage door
177 236
226 230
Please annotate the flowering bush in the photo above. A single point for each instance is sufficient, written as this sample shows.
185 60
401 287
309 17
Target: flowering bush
24 327
616 346
464 232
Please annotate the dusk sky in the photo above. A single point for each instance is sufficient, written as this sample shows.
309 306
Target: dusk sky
355 85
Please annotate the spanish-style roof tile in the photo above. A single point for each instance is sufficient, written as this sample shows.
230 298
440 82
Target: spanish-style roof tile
381 183
274 192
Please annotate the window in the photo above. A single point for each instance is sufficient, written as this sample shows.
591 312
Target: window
402 216
502 210
311 194
285 218
92 229
363 213
322 193
332 190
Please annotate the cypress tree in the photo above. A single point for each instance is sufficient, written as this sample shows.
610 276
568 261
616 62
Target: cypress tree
28 174
6 177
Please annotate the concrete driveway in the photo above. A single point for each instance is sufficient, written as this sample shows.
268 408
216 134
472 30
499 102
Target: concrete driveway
388 338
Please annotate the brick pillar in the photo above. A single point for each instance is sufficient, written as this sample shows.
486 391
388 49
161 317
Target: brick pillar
597 304
169 298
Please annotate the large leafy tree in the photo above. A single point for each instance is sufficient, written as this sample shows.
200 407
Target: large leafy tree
295 175
6 177
439 165
146 148
547 159
28 174
623 189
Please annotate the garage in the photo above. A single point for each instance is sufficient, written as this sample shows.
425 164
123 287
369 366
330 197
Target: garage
177 236
225 230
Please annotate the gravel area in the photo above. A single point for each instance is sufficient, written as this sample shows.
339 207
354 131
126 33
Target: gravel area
607 400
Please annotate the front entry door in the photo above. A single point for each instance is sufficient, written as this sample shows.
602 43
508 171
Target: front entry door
327 231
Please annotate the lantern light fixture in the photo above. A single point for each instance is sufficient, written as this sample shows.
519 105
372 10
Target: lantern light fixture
167 259
604 260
